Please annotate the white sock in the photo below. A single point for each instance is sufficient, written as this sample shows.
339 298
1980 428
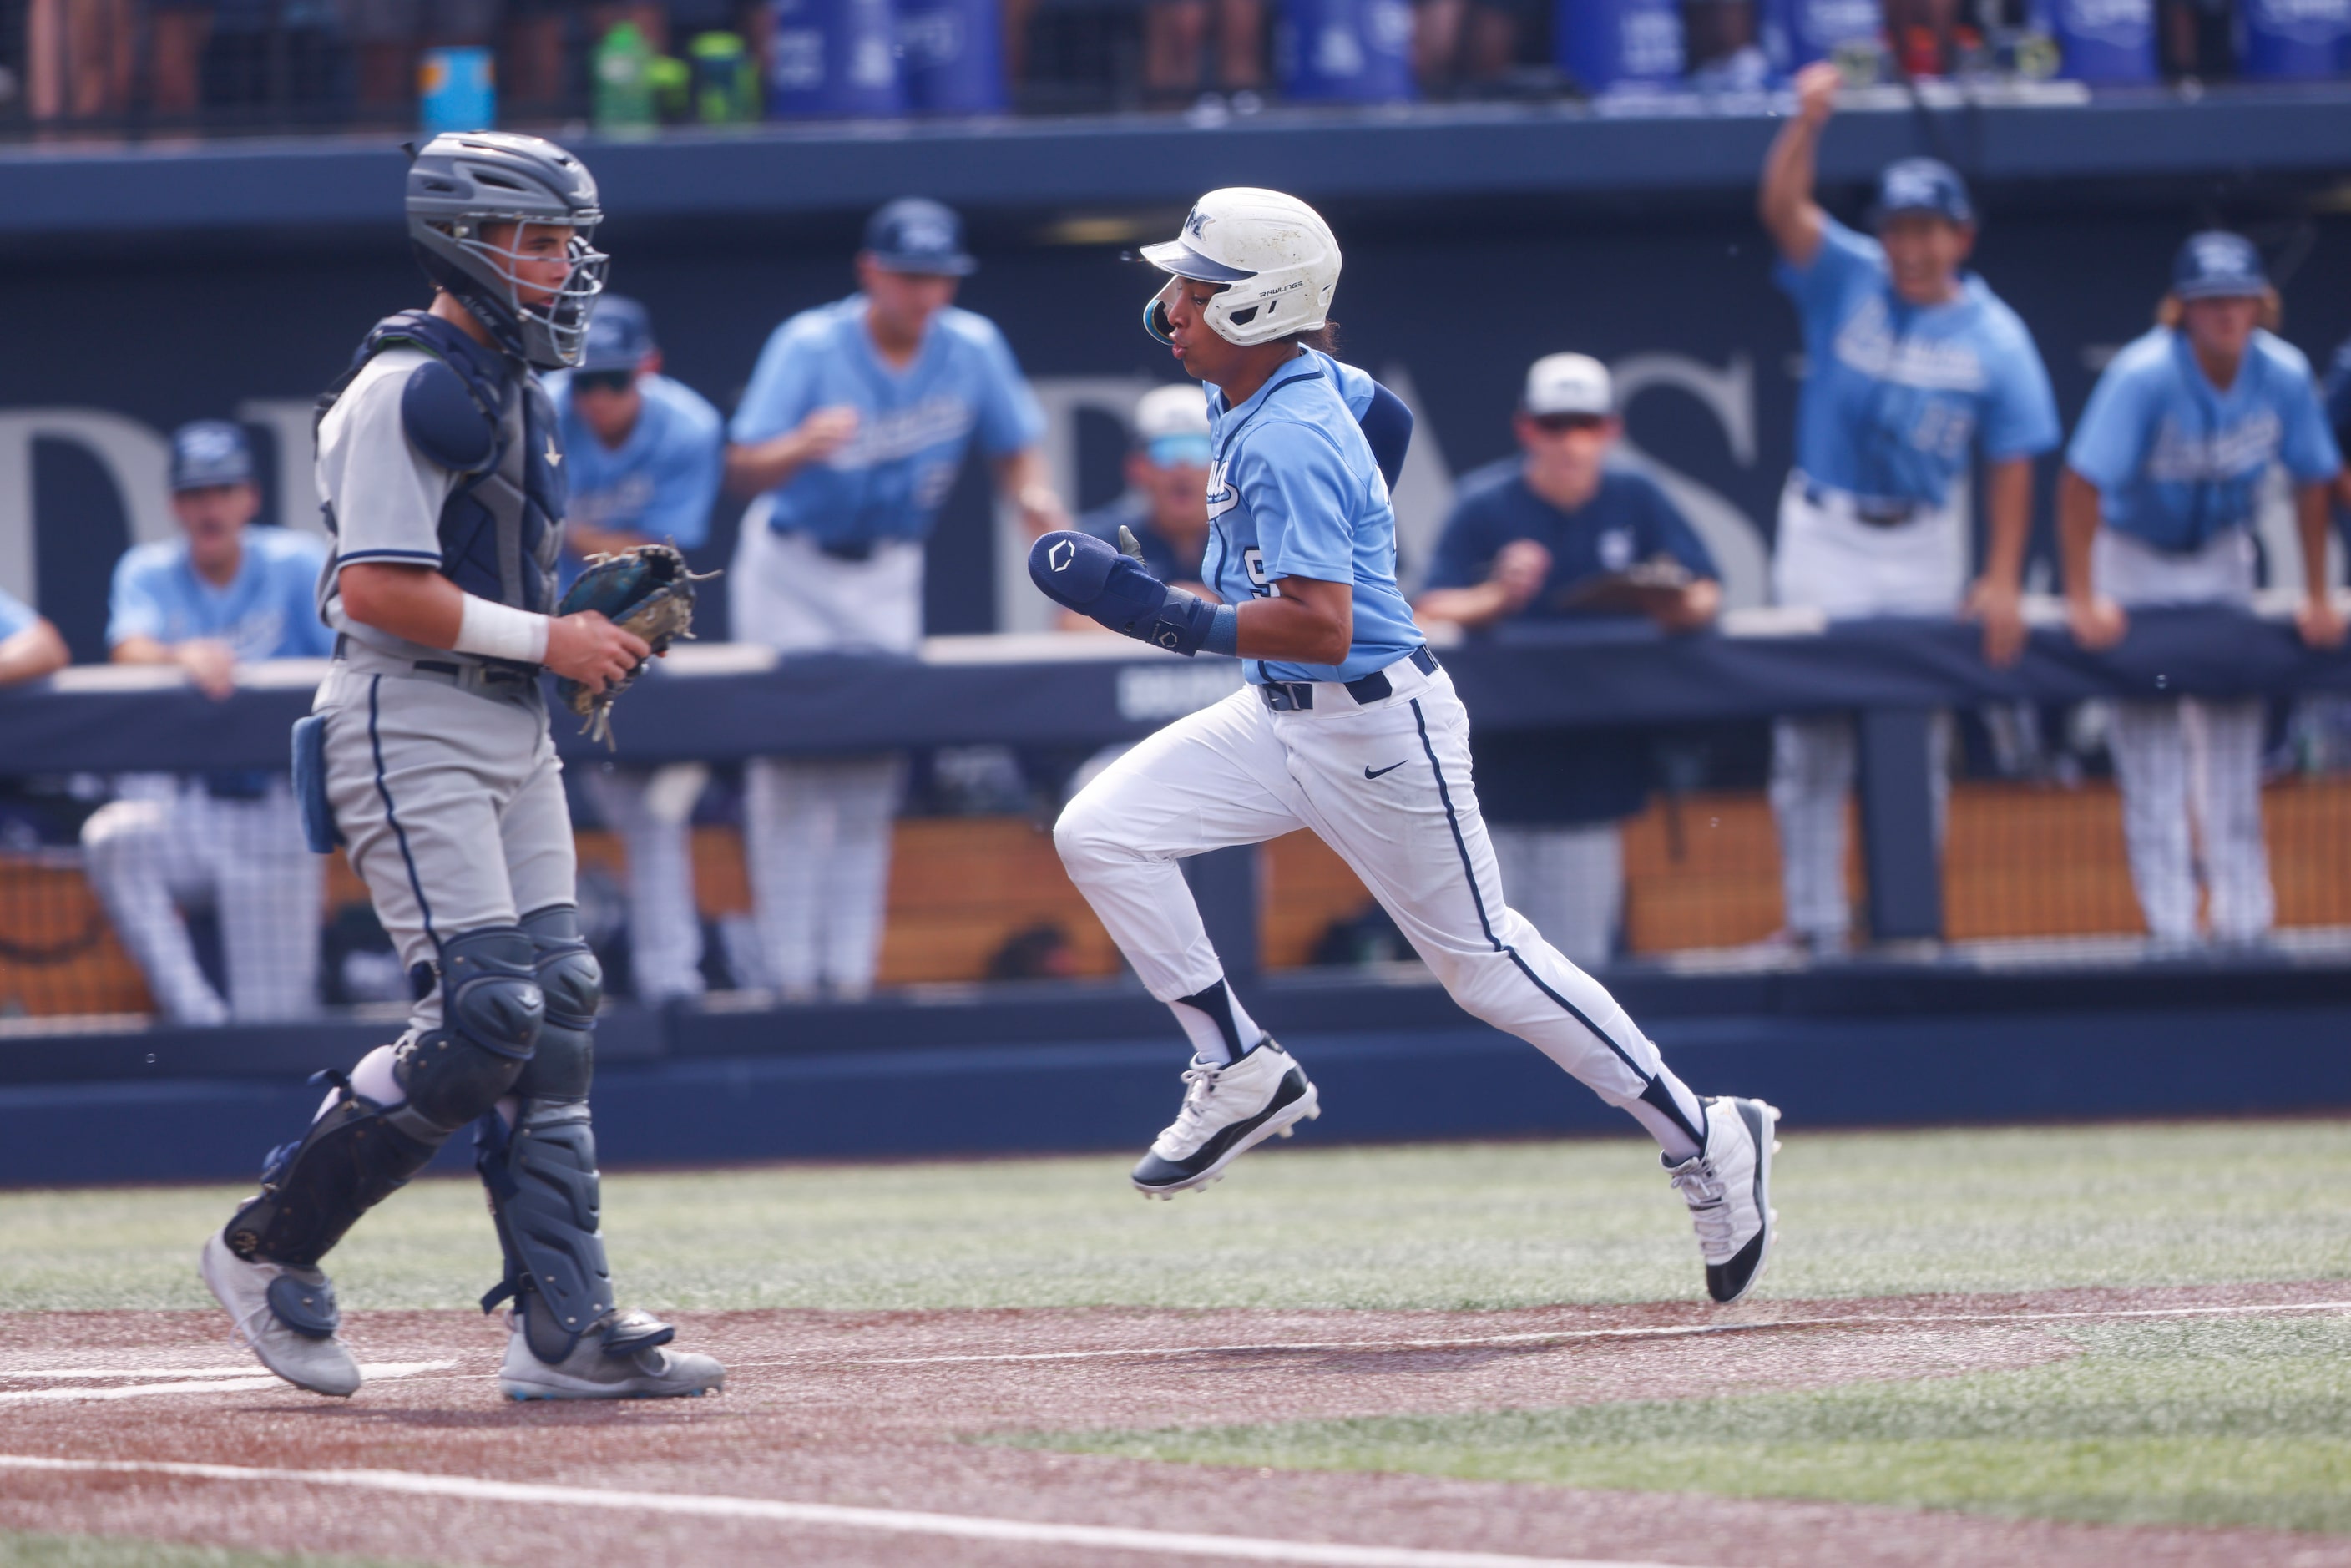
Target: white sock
1220 1027
371 1079
1669 1112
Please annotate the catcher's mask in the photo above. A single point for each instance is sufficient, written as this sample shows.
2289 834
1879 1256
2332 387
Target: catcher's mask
461 185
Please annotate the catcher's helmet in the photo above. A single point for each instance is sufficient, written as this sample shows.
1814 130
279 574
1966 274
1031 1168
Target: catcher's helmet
1273 253
460 181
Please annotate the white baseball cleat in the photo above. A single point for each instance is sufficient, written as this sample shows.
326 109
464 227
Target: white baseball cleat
593 1371
1728 1187
286 1316
1230 1108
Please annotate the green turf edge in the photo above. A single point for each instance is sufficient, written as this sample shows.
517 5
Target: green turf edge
35 1551
2210 1422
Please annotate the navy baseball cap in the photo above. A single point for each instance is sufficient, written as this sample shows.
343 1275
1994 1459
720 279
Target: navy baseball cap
2218 265
1922 185
620 336
914 234
210 452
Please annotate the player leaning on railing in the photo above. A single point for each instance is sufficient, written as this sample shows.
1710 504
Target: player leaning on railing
1346 726
428 754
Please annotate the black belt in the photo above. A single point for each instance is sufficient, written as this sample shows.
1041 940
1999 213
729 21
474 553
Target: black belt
845 549
494 672
1871 512
1298 696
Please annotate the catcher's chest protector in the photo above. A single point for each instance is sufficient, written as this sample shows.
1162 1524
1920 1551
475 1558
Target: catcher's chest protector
502 528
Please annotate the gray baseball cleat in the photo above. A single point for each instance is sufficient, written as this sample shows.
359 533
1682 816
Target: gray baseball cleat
1230 1108
285 1316
1727 1186
630 1360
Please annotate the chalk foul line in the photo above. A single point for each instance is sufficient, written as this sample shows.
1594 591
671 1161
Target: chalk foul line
1557 1337
177 1380
889 1521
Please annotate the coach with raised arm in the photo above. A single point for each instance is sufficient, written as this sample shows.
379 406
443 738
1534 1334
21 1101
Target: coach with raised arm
1912 366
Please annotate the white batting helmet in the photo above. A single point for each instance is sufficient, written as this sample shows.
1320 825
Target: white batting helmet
1273 253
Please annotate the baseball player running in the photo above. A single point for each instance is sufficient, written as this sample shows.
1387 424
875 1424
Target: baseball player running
850 434
2156 507
221 594
644 456
428 754
1911 362
1346 726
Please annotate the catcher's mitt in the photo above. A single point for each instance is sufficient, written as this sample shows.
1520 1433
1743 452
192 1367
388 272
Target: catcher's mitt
647 589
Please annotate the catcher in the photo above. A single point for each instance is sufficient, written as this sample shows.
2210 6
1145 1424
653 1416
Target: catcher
427 755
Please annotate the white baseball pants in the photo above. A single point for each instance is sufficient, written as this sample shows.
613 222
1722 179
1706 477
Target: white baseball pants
1387 785
1569 881
170 841
652 810
2189 769
1827 559
817 829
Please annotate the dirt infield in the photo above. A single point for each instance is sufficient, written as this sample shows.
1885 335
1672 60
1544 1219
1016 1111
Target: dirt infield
838 1439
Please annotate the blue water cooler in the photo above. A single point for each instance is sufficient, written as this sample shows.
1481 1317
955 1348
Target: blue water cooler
1795 33
1606 44
2288 38
1344 51
2103 41
951 55
834 59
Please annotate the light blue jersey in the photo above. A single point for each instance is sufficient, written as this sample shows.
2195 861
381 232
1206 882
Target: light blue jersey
1293 492
2177 461
662 481
887 481
269 611
16 615
1895 395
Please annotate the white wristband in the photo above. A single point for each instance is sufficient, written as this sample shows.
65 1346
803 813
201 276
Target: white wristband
501 631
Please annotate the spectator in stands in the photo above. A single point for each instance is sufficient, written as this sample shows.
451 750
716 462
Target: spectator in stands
1912 365
2157 507
1165 502
643 455
30 647
535 65
856 420
1561 532
221 595
1174 46
177 32
81 57
1468 43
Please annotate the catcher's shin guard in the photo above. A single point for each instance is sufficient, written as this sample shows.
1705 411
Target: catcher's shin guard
541 1175
545 1194
359 1152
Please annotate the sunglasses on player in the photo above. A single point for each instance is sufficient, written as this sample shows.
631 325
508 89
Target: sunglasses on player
603 381
1561 424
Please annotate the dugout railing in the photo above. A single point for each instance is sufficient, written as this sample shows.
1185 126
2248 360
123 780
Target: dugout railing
2031 873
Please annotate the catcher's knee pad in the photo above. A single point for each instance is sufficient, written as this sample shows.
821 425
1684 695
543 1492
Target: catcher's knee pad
314 1190
573 983
492 1011
545 1194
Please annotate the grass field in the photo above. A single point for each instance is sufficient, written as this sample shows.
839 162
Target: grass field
2182 1421
1433 1227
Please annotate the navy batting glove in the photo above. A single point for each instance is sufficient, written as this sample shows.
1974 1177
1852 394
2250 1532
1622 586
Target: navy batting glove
1085 574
